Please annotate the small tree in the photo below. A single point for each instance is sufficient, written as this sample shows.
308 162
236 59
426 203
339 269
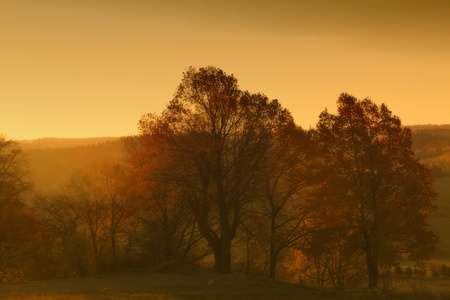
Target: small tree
281 203
101 198
169 230
70 251
398 270
445 271
91 207
14 178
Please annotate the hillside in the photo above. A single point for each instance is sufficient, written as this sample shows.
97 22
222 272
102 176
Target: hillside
206 285
53 143
186 285
52 161
437 130
431 144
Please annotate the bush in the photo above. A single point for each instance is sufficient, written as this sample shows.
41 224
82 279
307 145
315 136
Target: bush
398 270
445 271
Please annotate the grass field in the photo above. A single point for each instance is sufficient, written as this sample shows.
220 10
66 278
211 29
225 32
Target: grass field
204 285
207 285
440 221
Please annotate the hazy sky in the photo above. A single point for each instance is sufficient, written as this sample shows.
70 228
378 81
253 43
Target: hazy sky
91 68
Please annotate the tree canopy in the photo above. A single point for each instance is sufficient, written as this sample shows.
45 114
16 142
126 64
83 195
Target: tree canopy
380 194
224 176
213 140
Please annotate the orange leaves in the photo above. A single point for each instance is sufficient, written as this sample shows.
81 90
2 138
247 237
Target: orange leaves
373 182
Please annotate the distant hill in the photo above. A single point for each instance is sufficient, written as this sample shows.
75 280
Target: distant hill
431 144
440 130
50 143
52 160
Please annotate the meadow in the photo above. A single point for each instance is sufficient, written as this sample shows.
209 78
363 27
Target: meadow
204 285
439 221
52 166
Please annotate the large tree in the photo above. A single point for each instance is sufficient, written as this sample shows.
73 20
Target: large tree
376 192
212 141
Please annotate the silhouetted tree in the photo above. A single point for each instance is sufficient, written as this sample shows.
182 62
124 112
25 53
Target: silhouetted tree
91 208
109 179
378 193
21 234
283 179
104 205
212 140
69 245
14 175
168 228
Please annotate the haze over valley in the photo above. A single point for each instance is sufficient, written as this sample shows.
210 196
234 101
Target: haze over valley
293 149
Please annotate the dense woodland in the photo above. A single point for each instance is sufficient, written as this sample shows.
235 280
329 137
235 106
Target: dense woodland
431 144
225 179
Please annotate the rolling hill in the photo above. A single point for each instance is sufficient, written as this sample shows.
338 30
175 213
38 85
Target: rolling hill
431 144
52 161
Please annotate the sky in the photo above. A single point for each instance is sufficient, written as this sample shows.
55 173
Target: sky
91 68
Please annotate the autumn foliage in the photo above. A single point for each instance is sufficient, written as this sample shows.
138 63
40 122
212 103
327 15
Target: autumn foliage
224 178
375 192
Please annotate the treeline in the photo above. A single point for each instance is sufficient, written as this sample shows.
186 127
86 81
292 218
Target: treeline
58 143
52 161
431 144
225 178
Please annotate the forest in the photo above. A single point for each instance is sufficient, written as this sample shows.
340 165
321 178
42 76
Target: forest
224 179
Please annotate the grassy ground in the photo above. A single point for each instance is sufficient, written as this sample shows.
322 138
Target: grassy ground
417 288
202 285
439 222
207 285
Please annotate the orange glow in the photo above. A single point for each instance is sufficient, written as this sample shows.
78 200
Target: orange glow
91 68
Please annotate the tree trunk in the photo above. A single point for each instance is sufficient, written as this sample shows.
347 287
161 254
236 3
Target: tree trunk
371 261
247 269
218 266
372 268
222 255
273 254
226 256
273 261
167 236
114 252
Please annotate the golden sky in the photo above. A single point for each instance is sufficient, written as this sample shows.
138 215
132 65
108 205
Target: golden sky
86 68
